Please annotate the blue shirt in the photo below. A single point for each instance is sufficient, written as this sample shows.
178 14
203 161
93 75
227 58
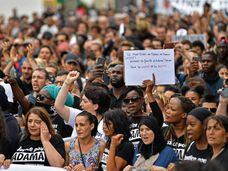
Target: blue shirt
166 156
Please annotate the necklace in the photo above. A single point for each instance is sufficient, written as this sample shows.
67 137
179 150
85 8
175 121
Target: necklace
215 155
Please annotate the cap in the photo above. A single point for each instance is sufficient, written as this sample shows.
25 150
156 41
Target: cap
222 41
70 57
47 35
181 32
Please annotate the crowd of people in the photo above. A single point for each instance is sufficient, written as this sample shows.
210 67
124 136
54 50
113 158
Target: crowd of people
63 76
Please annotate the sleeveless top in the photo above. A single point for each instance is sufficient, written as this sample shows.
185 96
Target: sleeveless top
90 158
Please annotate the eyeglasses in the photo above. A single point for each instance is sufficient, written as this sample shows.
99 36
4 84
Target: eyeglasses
131 100
213 110
41 97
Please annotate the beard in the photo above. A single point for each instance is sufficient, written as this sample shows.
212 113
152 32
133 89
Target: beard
117 83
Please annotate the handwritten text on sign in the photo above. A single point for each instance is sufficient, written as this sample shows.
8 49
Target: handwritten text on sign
140 64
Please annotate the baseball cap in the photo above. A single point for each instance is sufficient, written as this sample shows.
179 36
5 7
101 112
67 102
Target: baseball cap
70 57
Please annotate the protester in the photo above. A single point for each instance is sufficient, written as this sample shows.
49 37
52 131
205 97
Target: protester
85 151
119 150
153 148
176 115
95 100
5 149
223 72
40 145
40 50
133 99
216 132
198 149
117 83
12 129
209 73
195 94
46 99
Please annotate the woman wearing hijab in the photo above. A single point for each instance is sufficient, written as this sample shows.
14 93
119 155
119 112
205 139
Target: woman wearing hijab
153 149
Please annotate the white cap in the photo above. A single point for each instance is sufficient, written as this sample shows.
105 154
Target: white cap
181 32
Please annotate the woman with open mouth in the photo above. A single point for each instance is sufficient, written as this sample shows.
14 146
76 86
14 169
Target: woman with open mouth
153 150
198 149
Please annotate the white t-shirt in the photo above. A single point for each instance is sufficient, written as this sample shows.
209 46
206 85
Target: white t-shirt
73 113
8 90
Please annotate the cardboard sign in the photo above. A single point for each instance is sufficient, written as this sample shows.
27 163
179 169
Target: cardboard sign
139 65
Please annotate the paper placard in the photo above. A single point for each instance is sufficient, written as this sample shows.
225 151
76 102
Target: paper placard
20 167
191 38
140 64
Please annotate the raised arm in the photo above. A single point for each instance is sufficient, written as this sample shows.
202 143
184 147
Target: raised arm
18 94
60 106
115 163
5 47
156 111
30 59
13 58
222 107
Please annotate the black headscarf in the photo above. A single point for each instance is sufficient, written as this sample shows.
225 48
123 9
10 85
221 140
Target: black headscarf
159 142
200 113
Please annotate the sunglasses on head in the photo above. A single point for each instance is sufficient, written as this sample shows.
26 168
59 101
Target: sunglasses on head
131 100
41 97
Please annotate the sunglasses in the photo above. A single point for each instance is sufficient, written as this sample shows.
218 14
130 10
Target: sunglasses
213 110
131 100
41 97
20 45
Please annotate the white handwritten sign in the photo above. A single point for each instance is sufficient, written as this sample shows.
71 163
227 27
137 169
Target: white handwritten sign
187 7
19 167
140 64
191 38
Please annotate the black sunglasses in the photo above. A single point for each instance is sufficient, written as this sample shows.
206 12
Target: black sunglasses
213 110
131 100
41 97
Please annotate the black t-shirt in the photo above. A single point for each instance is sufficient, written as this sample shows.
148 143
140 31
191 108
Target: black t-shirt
135 136
32 152
125 150
12 130
178 144
134 129
115 103
222 159
61 128
5 148
26 87
192 153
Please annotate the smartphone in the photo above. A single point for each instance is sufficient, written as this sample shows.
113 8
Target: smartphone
224 93
169 45
101 61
